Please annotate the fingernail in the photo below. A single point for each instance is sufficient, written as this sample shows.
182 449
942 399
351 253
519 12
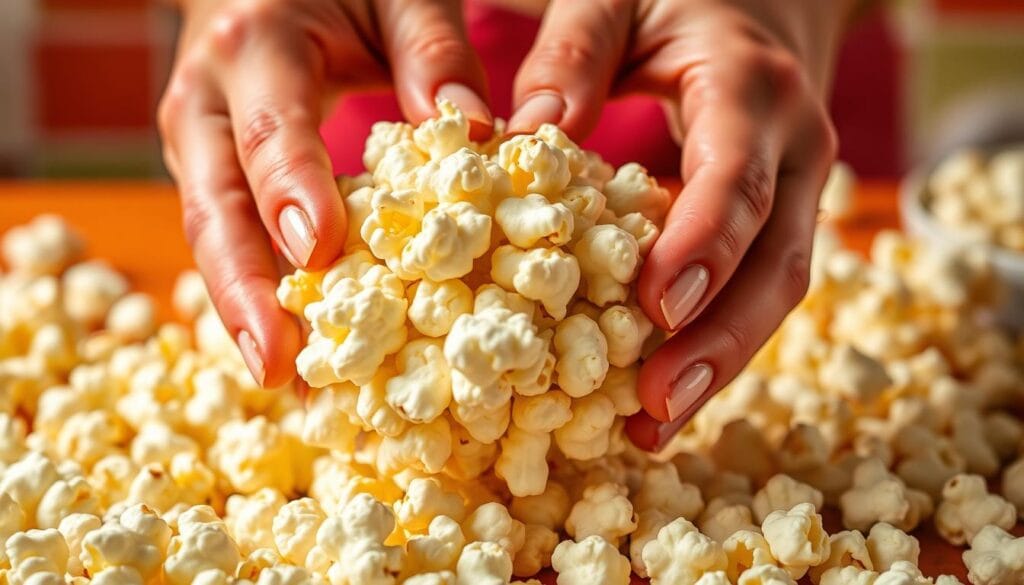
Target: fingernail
468 101
687 389
536 110
297 233
251 355
683 295
665 433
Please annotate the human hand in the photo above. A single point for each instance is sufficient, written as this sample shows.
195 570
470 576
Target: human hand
240 120
745 81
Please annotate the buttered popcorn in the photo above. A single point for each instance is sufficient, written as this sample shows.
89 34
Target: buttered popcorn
495 251
473 360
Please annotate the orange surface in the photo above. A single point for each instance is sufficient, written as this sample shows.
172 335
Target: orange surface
136 227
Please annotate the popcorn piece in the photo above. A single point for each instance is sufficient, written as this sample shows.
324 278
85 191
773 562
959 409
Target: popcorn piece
356 325
491 342
523 461
398 168
879 496
547 275
436 305
967 507
796 538
484 563
438 550
200 547
444 134
539 544
423 389
969 440
73 528
294 529
26 480
492 523
587 205
722 518
549 508
542 413
250 519
620 387
662 489
37 551
532 218
588 434
782 493
649 523
382 136
43 246
605 511
591 560
645 231
995 557
625 329
138 538
90 289
854 375
253 454
888 545
463 176
681 554
425 447
765 575
425 499
1013 485
609 258
846 549
534 166
451 236
633 190
582 352
354 541
745 549
132 317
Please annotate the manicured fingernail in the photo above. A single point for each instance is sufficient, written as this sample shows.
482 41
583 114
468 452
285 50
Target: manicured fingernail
683 295
251 355
468 101
687 389
297 233
666 432
536 110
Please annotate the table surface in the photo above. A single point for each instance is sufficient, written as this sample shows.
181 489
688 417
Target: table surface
136 226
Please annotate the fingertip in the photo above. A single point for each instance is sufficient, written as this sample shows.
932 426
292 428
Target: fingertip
481 121
269 349
313 234
539 108
653 384
650 434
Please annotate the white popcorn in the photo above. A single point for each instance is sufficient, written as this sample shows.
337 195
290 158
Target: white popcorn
382 136
534 166
542 413
995 557
604 511
137 539
484 563
44 246
74 528
846 549
609 258
523 461
549 508
681 554
463 175
63 498
90 289
425 447
424 500
796 538
484 345
132 317
538 546
764 575
423 388
588 434
662 489
1013 485
547 275
528 220
356 325
294 529
354 542
625 329
587 205
437 550
745 549
633 190
436 305
888 545
451 236
582 352
492 523
37 551
782 493
590 560
879 496
967 507
619 386
445 134
250 519
854 375
198 548
649 523
253 454
26 480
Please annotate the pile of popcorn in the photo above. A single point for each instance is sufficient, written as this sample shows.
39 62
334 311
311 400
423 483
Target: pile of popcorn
981 197
472 358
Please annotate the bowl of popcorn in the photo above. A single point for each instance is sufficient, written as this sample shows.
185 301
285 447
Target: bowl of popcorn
472 358
975 198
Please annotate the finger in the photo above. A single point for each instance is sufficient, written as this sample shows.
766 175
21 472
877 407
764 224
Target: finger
690 368
566 77
273 93
227 239
736 123
430 56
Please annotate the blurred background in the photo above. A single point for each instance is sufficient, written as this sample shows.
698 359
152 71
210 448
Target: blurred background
80 79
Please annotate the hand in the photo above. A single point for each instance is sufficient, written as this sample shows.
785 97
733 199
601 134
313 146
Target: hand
745 80
240 121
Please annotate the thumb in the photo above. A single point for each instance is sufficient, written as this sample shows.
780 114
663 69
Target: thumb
568 73
430 56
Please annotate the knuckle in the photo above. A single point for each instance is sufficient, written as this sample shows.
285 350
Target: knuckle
259 128
238 23
436 46
737 338
195 219
565 54
731 243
